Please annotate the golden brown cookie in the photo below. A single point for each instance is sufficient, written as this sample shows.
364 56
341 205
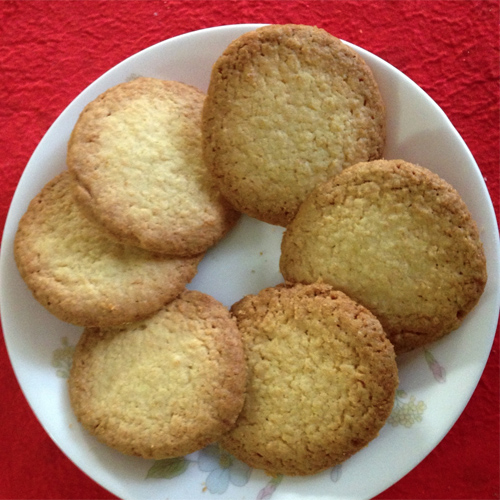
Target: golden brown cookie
322 378
163 387
396 238
135 153
287 107
80 275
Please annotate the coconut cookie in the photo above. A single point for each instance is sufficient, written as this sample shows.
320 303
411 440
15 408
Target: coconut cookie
163 387
322 378
396 238
136 155
287 107
80 275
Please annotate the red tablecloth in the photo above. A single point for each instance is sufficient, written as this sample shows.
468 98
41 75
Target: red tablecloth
52 50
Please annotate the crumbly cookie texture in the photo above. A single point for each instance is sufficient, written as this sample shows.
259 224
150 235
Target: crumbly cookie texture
322 378
136 155
81 276
163 387
396 238
287 107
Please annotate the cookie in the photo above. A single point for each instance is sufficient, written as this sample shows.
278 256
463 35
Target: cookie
136 155
163 387
396 238
322 378
80 275
287 107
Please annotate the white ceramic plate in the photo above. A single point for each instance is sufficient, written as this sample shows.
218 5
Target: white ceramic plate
436 383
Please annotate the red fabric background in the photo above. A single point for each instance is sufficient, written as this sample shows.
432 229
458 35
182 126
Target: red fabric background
52 50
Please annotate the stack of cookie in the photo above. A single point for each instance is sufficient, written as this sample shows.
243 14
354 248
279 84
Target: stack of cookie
379 257
121 232
294 132
110 244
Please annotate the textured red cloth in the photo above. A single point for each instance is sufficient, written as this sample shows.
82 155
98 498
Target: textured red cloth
51 51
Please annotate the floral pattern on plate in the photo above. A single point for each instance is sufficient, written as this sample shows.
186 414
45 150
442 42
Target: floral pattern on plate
62 358
437 369
407 410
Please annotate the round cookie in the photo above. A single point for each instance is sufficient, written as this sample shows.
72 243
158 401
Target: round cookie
322 379
136 155
396 238
287 107
80 275
163 387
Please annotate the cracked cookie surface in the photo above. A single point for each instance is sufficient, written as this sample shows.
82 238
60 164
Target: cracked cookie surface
80 275
322 379
287 107
136 156
396 238
163 387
